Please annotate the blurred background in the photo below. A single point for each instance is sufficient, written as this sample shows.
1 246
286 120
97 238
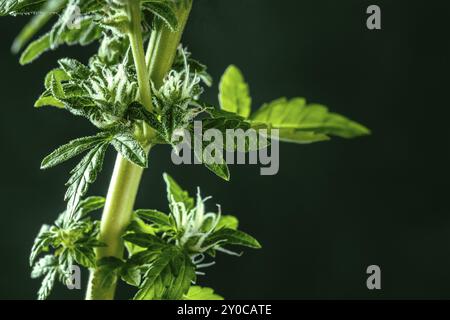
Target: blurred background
334 208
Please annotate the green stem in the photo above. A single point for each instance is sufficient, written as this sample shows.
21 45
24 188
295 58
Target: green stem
137 48
115 219
126 177
163 44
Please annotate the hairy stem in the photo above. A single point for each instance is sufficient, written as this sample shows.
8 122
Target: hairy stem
116 217
163 44
137 47
126 177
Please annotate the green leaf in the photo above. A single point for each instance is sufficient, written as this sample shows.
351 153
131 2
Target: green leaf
72 69
108 269
178 194
58 74
19 7
29 31
84 174
84 256
90 204
47 285
143 240
164 10
146 256
220 169
234 237
149 290
217 166
43 266
127 145
234 93
154 216
137 111
56 88
37 22
48 100
63 33
35 49
201 293
47 267
298 121
251 140
41 243
131 275
73 149
183 272
301 137
168 277
139 226
230 222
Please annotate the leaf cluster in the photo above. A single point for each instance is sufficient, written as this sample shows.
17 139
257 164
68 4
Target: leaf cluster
166 251
66 243
81 21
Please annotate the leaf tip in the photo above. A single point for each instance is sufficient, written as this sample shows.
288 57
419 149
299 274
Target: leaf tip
16 46
44 164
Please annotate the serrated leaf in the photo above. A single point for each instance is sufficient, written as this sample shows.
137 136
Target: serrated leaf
137 225
74 69
47 267
221 170
233 237
164 10
84 256
108 269
19 7
47 285
41 243
148 289
136 111
48 101
218 166
90 204
73 149
131 275
127 145
201 293
168 277
241 137
85 32
110 263
84 174
146 256
143 240
48 11
234 93
183 273
56 88
35 49
44 265
58 74
300 137
154 216
178 194
298 121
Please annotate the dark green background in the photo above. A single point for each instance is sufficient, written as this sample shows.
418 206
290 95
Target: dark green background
334 208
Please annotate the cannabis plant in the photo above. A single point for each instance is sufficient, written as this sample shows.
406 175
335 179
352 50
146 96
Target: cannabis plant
140 90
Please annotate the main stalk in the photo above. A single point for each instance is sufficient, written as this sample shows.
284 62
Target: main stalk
126 177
